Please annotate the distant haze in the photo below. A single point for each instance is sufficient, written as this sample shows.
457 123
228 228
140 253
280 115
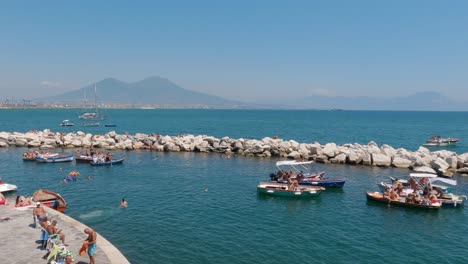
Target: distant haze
161 92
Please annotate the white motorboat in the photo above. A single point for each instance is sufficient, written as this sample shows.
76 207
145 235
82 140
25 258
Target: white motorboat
6 187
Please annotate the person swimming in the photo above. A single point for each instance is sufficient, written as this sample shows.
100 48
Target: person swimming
123 203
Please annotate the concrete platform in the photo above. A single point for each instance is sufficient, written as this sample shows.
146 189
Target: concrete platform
20 240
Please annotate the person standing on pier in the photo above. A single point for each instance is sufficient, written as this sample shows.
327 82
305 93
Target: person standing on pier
91 242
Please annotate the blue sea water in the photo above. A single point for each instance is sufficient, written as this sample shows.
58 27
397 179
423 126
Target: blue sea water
203 208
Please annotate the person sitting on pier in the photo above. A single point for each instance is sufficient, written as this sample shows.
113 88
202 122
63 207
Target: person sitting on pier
53 230
23 201
3 200
44 234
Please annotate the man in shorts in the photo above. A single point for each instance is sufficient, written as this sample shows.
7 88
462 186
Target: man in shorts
91 242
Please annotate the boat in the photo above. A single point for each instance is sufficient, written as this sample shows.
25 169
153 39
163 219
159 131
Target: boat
94 115
282 189
427 183
50 199
7 188
307 174
438 141
107 163
67 123
83 159
91 124
54 158
377 196
110 125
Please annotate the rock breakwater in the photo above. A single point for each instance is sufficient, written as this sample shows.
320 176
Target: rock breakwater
443 162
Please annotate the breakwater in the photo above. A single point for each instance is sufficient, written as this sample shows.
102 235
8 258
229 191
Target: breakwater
443 162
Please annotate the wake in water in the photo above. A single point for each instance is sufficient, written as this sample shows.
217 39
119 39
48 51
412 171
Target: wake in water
98 215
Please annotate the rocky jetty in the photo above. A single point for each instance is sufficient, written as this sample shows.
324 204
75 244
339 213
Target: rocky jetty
443 162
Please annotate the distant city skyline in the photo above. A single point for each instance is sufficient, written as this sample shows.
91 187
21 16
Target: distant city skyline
252 51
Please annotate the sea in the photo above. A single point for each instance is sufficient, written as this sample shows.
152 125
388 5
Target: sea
204 208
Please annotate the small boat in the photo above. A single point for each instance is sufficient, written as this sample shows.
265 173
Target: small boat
281 189
377 196
438 141
55 158
83 159
425 183
93 124
107 163
309 175
50 199
7 188
67 123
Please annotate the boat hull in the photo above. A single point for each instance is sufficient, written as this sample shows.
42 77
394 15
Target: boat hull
326 182
50 199
7 188
281 190
109 163
83 159
55 159
378 197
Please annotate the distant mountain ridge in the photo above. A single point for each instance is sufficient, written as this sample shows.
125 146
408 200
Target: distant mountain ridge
153 90
161 92
422 101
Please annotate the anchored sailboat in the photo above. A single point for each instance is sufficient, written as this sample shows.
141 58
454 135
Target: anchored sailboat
92 116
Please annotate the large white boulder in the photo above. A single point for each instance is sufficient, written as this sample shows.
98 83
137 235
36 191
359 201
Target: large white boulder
354 157
330 150
440 165
425 169
381 160
34 143
388 150
340 158
400 162
294 155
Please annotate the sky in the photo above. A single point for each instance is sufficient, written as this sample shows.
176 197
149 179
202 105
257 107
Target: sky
253 51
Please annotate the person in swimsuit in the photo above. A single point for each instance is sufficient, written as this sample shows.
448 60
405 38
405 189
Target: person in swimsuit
91 242
38 214
3 200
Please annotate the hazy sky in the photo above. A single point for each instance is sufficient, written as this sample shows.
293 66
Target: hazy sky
243 50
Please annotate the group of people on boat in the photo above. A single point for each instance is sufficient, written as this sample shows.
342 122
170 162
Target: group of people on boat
396 192
30 155
97 157
288 176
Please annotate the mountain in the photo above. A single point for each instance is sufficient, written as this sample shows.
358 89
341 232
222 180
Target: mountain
161 92
155 91
423 101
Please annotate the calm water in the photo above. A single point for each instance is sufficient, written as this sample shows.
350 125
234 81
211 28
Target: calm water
202 208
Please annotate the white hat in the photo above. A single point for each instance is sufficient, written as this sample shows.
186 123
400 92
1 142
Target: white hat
38 203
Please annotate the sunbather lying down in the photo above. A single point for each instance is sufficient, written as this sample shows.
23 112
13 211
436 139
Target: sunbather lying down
4 218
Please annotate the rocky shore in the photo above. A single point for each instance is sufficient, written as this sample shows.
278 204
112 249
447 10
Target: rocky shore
443 162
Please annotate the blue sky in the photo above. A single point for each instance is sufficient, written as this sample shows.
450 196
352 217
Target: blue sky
243 50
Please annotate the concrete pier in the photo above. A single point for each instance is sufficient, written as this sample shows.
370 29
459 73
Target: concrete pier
20 239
